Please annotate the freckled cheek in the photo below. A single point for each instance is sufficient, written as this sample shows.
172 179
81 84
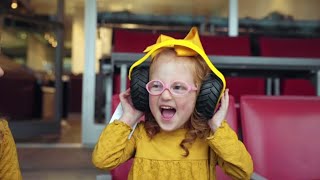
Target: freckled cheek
186 104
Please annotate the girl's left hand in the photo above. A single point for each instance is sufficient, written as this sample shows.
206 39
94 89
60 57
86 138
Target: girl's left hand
220 115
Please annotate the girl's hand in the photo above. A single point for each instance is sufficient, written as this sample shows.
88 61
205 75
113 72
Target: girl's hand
130 114
220 115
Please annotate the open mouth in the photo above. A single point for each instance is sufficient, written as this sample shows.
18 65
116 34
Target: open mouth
167 112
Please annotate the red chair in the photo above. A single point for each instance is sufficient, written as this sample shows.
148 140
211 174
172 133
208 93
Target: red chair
289 47
280 134
122 171
245 86
292 47
298 87
226 46
133 41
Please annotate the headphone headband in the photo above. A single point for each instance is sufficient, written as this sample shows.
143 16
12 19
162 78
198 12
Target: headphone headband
185 43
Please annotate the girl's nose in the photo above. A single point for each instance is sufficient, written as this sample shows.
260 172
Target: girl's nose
166 95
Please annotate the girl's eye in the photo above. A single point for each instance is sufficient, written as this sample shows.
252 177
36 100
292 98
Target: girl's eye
179 86
156 85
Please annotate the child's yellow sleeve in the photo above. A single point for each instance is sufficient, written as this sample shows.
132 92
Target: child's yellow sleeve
113 146
232 156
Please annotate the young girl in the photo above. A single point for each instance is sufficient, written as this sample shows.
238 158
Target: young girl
174 142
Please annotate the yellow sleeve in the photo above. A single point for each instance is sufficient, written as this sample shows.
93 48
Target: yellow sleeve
232 156
113 146
9 164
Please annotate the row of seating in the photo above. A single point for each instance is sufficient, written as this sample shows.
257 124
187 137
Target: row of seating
279 132
130 41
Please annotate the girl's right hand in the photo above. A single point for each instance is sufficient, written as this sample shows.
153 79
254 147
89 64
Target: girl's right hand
130 115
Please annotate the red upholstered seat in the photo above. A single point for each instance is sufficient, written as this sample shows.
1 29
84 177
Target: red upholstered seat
122 171
298 87
245 86
225 45
292 47
280 132
289 47
137 41
133 41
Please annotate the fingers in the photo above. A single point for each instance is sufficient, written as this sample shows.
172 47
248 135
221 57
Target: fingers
226 96
225 100
124 96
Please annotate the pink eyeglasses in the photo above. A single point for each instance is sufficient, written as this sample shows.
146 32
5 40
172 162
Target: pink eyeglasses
156 87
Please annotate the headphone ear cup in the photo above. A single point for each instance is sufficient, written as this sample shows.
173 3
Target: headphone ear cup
208 97
138 91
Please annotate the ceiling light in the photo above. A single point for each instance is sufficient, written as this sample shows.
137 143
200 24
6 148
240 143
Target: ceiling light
14 4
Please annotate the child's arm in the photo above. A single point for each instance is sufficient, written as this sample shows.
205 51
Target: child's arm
232 155
114 147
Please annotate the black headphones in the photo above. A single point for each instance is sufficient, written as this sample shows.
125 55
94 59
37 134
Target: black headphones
207 99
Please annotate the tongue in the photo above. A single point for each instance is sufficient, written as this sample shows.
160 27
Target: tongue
168 113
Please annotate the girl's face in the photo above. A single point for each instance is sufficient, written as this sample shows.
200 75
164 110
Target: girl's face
172 111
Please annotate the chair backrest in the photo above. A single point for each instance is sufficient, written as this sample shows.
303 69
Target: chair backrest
289 47
136 41
225 45
132 41
240 86
298 87
280 134
292 47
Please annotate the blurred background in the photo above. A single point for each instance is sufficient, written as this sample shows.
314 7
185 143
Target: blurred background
65 62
